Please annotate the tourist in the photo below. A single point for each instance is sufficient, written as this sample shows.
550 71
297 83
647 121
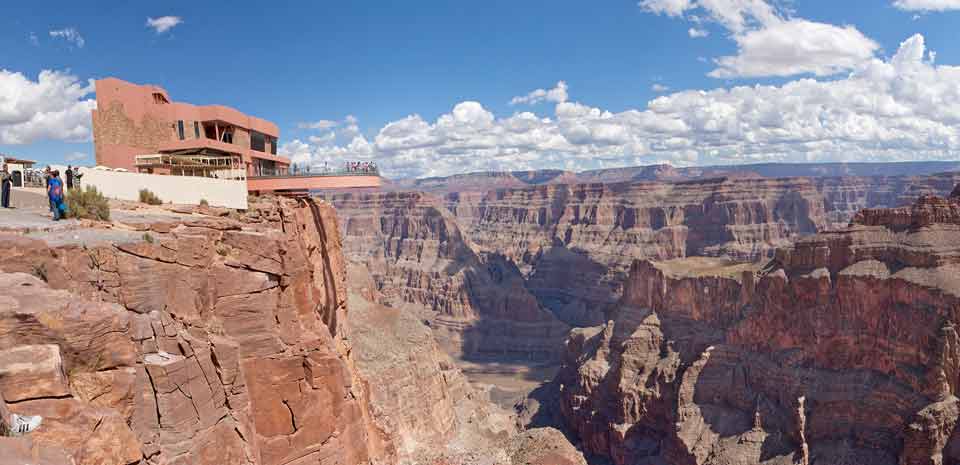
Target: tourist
47 174
12 424
55 194
6 181
69 174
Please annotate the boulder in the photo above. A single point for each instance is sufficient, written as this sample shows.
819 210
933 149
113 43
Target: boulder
32 372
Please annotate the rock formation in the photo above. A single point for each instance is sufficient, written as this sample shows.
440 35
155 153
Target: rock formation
216 340
202 343
419 399
572 244
841 349
420 260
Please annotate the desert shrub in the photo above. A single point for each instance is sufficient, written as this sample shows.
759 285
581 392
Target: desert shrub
204 203
149 198
87 203
147 238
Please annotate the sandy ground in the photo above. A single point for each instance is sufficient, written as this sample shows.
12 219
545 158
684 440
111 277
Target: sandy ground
511 380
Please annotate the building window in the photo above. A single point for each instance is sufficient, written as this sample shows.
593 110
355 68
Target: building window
180 129
273 144
257 141
196 129
159 99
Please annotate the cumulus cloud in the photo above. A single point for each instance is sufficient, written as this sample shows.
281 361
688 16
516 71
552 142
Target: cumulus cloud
556 95
902 108
927 5
666 7
75 156
163 23
320 124
659 88
769 42
787 48
70 34
55 106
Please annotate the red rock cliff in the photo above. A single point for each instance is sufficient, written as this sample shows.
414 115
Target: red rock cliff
842 349
207 342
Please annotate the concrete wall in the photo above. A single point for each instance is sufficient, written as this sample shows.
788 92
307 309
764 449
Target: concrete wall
184 190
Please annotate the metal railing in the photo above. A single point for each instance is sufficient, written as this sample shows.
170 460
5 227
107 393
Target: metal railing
312 172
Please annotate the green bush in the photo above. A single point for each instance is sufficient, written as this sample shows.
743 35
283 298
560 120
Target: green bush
149 198
204 203
87 203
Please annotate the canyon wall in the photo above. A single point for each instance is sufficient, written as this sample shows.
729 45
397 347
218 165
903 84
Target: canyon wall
841 349
420 260
211 340
567 248
208 341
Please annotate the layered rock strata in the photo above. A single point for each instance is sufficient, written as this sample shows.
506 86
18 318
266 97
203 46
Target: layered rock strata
420 260
227 340
841 349
209 341
573 243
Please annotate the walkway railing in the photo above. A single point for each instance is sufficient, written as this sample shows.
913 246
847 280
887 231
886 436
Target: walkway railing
316 172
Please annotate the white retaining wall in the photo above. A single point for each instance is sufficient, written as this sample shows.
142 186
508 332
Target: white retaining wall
186 190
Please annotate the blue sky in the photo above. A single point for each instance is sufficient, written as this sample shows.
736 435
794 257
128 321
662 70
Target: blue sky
388 73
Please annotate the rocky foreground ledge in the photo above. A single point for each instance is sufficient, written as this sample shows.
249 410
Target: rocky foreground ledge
842 349
212 337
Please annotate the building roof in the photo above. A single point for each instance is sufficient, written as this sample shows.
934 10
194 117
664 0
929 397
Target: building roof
19 161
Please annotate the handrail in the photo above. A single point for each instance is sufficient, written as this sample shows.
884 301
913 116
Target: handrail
320 173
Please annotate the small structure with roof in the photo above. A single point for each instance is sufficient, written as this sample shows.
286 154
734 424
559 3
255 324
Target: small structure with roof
19 168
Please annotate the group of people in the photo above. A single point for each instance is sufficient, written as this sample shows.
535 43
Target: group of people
54 185
361 167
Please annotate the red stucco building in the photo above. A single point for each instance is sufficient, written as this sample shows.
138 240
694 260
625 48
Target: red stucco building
140 128
134 120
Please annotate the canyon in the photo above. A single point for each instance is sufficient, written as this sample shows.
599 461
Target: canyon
842 348
684 378
563 250
171 336
662 316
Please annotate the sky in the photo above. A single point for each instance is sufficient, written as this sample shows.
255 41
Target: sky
432 88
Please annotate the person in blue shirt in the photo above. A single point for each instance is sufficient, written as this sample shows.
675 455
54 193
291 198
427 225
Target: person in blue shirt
55 192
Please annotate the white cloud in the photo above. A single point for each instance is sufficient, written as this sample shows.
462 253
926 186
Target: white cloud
787 48
70 34
34 40
659 88
903 108
927 5
556 95
75 156
55 106
164 23
666 7
320 124
769 42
